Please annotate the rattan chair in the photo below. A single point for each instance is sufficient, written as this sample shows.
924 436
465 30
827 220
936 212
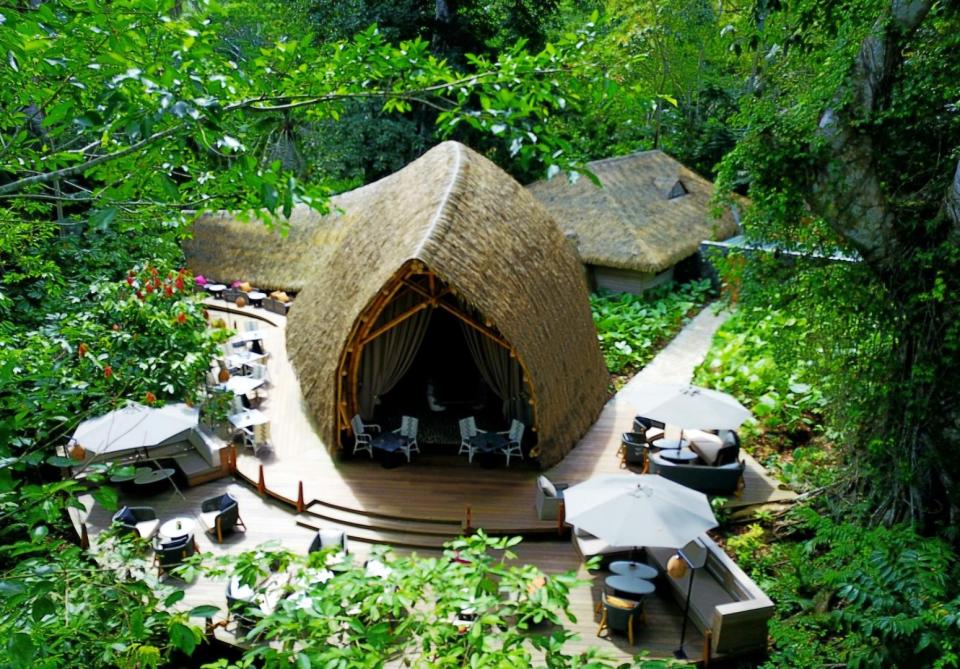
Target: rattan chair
221 514
620 615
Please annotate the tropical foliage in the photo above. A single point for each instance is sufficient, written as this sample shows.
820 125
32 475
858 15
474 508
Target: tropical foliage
632 328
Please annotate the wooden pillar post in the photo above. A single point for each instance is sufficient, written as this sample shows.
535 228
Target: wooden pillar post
468 520
300 497
707 638
561 516
261 484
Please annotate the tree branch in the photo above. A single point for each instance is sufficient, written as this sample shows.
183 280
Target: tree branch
47 177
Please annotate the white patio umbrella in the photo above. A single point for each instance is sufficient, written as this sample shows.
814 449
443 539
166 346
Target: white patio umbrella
638 510
685 406
135 426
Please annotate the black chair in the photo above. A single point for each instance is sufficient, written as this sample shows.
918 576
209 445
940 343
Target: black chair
172 553
634 448
329 538
142 520
641 424
620 615
220 514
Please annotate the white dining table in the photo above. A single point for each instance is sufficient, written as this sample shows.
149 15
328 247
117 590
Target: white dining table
241 385
248 418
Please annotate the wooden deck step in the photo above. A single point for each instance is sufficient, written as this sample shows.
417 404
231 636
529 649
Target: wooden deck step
373 536
348 518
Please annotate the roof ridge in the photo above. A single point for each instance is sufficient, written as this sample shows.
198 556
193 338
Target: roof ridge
635 154
438 216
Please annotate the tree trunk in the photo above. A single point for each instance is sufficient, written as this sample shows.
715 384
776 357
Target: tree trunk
914 476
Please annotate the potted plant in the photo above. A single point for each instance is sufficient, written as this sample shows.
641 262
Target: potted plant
215 410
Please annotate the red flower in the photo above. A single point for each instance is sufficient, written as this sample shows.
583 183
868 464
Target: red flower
168 291
150 397
179 283
139 294
130 280
149 287
153 271
181 318
107 371
82 350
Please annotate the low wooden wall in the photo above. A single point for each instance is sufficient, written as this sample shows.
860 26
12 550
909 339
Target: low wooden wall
726 603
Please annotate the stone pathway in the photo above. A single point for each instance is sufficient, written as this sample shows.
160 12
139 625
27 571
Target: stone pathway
676 362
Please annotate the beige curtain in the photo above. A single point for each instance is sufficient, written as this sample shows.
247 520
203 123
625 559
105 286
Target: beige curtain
387 358
501 372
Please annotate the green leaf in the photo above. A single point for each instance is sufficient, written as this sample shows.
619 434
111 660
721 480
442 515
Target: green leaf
42 607
183 638
174 597
21 649
204 611
303 661
106 497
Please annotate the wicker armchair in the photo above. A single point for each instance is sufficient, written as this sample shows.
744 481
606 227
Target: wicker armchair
221 514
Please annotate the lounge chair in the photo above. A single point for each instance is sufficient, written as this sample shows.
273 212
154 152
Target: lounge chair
651 429
140 519
620 615
362 437
172 553
549 498
221 514
329 538
589 545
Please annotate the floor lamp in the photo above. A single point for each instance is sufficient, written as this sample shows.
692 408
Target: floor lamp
692 556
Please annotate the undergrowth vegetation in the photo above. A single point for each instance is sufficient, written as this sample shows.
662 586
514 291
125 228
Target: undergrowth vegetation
847 591
632 328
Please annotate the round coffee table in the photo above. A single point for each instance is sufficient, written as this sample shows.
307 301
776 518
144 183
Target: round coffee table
256 297
151 476
629 585
633 569
681 456
177 527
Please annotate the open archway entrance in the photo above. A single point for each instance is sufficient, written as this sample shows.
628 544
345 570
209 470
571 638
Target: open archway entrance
419 349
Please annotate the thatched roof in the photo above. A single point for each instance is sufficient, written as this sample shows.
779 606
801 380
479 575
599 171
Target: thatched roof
476 229
640 219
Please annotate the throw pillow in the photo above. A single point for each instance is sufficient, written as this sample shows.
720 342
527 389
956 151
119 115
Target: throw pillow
126 516
546 485
226 502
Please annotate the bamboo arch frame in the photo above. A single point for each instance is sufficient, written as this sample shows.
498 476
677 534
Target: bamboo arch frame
363 332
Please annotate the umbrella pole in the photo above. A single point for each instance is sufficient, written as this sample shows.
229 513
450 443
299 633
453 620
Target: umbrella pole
679 652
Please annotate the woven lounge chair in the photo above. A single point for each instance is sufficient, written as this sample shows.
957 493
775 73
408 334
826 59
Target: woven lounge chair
221 514
329 538
140 519
169 554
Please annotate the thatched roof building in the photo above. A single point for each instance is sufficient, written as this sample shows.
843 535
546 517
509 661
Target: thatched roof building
450 234
651 213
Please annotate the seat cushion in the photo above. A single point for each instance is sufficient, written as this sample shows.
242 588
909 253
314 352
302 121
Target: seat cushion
621 603
704 444
546 485
330 538
209 519
147 528
653 433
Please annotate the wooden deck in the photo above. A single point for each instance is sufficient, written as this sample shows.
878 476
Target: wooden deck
419 506
363 496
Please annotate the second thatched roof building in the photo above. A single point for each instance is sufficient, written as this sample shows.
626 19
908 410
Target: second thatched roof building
650 214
